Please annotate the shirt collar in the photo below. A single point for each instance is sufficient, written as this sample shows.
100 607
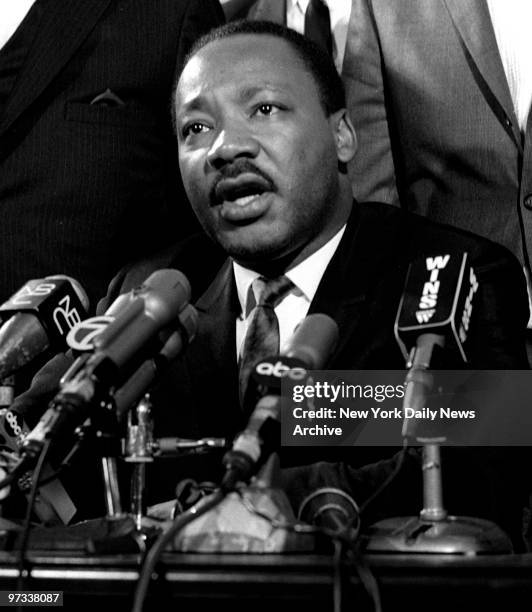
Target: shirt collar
306 276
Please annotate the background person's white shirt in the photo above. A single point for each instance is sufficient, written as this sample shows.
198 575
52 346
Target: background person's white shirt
339 13
12 13
511 21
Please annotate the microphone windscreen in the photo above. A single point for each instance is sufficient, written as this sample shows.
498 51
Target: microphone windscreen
330 508
313 341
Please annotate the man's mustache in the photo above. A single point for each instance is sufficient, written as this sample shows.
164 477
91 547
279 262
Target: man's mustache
233 171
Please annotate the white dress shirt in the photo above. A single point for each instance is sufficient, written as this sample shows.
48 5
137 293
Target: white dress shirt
511 21
12 13
339 12
306 277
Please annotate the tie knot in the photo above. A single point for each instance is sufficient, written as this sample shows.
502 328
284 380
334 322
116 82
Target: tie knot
272 290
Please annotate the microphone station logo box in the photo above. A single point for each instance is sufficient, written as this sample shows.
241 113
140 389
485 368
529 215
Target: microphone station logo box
438 298
53 301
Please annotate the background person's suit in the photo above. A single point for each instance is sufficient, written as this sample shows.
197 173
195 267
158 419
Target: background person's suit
84 187
429 99
360 289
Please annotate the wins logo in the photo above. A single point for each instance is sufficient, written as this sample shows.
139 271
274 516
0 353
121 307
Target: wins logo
429 297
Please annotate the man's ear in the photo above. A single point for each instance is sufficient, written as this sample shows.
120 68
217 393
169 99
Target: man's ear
344 135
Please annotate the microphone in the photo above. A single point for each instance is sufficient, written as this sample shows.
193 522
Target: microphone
151 308
149 311
434 313
39 317
309 349
52 505
134 389
81 337
436 306
331 509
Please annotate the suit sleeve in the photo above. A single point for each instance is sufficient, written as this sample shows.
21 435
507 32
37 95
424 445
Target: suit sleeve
372 170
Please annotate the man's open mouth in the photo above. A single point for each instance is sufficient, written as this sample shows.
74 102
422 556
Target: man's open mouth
241 190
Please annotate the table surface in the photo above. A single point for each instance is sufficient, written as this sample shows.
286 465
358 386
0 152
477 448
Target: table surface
280 581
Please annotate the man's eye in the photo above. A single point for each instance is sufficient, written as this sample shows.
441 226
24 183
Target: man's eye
266 109
194 128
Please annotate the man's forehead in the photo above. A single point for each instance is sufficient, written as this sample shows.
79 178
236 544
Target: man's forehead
249 60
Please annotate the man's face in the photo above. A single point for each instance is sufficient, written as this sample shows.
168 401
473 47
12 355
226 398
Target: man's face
257 153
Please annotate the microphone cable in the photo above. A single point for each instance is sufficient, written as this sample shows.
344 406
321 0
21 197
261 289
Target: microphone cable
367 578
343 540
23 571
65 464
389 479
154 554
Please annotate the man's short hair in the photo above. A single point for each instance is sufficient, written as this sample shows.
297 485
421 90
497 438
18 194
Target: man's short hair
315 59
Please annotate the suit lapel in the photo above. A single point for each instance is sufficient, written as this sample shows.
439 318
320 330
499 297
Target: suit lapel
343 289
472 21
361 276
216 346
63 27
342 294
269 11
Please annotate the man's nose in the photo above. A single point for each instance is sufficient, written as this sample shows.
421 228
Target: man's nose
232 142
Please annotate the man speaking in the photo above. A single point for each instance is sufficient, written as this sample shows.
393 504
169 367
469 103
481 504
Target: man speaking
264 139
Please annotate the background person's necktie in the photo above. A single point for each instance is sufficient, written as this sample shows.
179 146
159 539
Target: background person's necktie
318 25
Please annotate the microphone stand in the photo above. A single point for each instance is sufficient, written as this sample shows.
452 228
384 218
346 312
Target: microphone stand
105 433
433 530
138 451
142 448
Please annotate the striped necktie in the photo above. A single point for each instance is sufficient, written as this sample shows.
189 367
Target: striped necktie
262 337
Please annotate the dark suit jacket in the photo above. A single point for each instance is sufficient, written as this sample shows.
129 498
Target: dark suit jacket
360 289
437 130
86 188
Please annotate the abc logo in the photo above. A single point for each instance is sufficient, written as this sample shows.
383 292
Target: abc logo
280 370
13 424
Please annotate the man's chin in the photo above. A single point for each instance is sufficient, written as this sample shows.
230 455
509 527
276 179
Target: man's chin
267 258
249 253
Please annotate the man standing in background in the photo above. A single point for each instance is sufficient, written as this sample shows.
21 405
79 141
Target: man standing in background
323 21
439 92
88 177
